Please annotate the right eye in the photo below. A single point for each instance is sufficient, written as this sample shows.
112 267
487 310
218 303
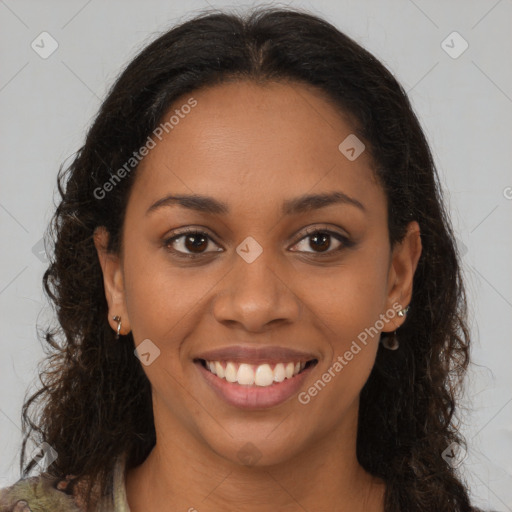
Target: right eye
194 241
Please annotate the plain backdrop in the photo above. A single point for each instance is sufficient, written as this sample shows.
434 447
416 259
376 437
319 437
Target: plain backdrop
463 97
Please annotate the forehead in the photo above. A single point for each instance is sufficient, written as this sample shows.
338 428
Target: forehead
252 144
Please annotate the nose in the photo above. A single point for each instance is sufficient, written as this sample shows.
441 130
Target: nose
255 295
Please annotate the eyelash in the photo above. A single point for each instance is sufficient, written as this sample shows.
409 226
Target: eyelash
345 242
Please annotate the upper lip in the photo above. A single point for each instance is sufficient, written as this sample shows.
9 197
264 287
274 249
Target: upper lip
256 355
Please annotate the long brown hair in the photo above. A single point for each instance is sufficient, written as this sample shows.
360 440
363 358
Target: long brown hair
95 398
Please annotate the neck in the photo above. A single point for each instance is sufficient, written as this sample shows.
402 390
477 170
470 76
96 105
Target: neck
181 473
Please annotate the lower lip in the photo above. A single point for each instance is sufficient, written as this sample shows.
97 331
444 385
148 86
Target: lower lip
254 397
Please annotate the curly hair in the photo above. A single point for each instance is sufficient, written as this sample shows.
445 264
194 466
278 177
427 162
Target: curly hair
95 399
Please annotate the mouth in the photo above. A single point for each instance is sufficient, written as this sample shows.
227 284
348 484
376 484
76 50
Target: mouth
254 386
262 375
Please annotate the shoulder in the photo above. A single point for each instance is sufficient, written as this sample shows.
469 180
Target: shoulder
46 493
40 493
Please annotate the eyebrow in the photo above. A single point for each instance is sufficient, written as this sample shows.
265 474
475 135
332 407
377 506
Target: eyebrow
295 206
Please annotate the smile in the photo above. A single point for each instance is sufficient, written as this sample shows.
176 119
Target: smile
254 386
263 375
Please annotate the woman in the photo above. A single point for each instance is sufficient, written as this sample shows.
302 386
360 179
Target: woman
257 286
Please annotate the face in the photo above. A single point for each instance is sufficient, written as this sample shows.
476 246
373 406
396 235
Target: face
254 275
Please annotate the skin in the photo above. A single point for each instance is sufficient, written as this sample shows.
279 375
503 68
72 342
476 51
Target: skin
253 147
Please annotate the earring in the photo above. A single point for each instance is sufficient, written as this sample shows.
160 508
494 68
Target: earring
118 320
404 311
390 341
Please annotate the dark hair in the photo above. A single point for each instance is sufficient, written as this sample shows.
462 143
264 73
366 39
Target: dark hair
96 398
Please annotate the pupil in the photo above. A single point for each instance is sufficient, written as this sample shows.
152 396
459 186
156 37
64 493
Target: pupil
195 246
323 246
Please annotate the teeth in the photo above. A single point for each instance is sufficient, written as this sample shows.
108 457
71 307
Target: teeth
245 375
288 371
230 372
279 374
219 370
260 375
264 375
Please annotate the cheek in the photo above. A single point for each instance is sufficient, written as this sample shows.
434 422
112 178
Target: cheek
350 297
160 298
163 304
346 306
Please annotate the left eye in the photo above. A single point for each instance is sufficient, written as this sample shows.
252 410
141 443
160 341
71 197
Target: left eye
193 241
321 240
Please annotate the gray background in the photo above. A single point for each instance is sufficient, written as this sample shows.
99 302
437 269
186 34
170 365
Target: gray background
464 104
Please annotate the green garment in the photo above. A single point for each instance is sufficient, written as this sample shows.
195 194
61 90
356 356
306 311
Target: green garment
43 493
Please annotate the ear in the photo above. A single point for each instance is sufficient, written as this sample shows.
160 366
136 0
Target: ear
404 260
113 281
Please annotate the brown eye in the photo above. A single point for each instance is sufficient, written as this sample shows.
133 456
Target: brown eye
189 244
321 241
195 243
